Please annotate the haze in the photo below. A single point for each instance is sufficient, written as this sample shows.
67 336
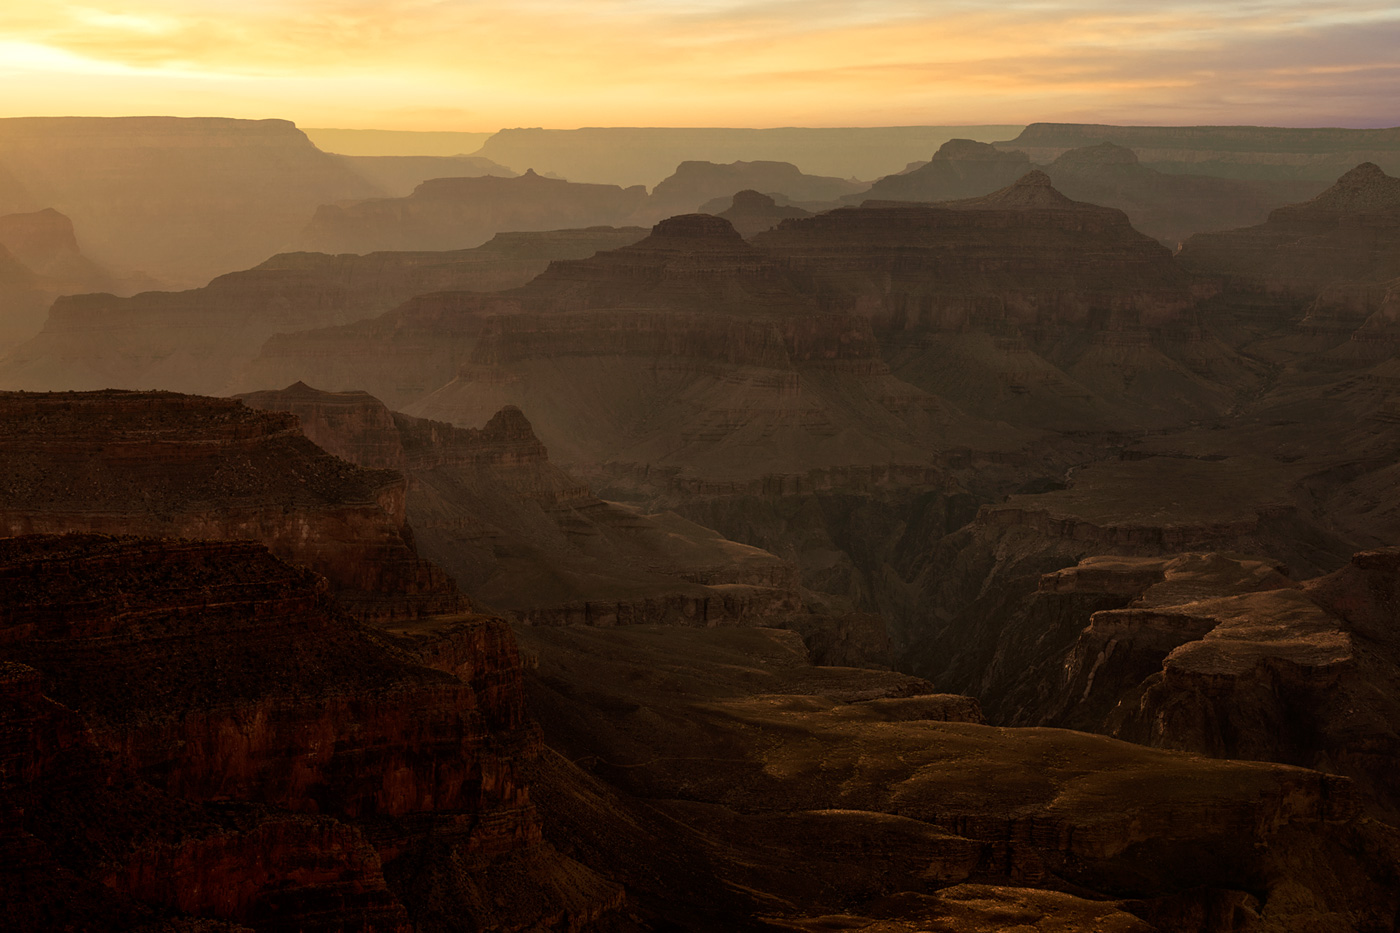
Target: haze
432 65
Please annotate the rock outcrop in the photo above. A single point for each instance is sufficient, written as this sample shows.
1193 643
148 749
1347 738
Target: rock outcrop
693 184
1346 236
961 168
194 734
524 538
157 463
751 212
200 340
812 792
456 213
180 199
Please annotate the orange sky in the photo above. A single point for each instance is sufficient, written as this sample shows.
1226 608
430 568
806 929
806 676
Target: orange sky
464 65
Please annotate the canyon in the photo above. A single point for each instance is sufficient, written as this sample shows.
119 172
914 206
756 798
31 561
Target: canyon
945 552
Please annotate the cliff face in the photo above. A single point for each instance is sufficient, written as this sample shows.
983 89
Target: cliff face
1347 235
1227 657
201 340
165 464
153 193
203 736
826 792
40 260
1024 255
523 537
453 213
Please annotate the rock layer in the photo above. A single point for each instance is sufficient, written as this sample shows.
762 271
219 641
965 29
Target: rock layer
172 465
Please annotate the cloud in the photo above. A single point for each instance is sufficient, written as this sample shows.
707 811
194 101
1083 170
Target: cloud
690 62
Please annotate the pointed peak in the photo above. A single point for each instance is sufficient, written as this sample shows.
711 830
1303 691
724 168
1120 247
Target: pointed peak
1363 188
1033 179
510 423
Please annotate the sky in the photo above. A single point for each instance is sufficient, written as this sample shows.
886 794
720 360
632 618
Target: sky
479 66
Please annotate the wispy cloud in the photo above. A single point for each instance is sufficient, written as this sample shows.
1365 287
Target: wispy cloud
679 62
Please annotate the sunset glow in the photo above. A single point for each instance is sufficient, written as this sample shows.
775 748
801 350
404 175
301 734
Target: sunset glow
449 64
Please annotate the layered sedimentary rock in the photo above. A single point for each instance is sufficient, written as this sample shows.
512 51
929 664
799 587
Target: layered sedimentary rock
751 212
961 168
157 463
1022 305
198 733
1249 152
180 199
455 213
694 184
523 537
1346 236
1229 657
201 340
813 793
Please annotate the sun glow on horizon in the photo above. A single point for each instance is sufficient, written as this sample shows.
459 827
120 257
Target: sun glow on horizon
437 64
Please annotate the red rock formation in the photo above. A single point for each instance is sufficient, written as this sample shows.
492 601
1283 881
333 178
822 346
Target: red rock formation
453 213
246 754
165 464
525 538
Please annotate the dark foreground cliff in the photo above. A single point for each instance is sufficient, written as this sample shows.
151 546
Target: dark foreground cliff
194 733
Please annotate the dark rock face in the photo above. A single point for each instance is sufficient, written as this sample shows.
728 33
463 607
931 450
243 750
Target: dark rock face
454 213
1169 207
1347 235
525 538
960 168
751 212
773 774
199 734
164 464
154 193
201 340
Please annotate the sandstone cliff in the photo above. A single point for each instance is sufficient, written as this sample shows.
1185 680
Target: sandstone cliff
163 464
523 537
200 734
814 793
